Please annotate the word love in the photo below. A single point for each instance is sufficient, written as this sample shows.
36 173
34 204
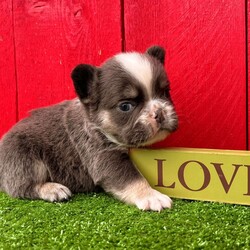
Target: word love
197 174
226 184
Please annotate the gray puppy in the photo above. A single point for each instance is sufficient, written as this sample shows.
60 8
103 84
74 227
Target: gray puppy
82 144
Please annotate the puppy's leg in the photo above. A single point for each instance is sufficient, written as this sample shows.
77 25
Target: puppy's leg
143 196
117 175
25 177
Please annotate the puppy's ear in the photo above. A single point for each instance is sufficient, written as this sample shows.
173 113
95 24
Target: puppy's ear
84 76
157 52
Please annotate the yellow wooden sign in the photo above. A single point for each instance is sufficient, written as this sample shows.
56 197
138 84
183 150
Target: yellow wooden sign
199 174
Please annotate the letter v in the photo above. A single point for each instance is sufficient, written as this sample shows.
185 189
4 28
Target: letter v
226 185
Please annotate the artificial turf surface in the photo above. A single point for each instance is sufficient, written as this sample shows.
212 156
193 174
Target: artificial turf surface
98 221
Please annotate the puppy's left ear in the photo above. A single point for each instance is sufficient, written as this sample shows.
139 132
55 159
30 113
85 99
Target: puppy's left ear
84 77
157 52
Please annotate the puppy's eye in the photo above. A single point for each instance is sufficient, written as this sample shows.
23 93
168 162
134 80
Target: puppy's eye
126 106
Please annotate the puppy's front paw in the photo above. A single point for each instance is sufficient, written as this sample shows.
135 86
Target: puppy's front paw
143 196
53 192
153 200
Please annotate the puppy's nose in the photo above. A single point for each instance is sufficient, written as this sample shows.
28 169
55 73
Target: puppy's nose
159 116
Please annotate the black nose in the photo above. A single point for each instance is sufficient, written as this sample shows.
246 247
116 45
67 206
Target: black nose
159 117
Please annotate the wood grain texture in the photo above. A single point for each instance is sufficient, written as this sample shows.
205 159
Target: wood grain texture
7 68
205 42
54 36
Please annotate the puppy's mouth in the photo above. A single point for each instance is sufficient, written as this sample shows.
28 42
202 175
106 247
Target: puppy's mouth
159 136
147 134
140 138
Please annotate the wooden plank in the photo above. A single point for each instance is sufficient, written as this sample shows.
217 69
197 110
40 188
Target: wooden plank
7 68
205 43
210 175
52 38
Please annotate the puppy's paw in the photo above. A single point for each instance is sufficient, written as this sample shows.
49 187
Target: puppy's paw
153 200
143 196
53 192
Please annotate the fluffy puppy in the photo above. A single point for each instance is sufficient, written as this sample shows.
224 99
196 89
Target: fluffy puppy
82 144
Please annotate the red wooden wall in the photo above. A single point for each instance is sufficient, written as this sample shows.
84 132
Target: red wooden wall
206 43
8 91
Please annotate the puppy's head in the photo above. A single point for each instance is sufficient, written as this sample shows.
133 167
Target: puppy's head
128 97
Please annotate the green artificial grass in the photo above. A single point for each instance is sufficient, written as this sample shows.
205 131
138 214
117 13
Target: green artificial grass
98 221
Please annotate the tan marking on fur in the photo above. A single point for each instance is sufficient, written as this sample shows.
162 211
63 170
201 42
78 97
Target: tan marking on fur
107 126
40 172
143 196
104 118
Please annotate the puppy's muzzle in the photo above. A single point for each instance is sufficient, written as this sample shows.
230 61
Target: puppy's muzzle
166 119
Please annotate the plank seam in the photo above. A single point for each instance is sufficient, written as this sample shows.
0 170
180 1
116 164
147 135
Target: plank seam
123 37
15 60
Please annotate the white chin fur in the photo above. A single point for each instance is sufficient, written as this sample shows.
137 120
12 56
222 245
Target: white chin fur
160 136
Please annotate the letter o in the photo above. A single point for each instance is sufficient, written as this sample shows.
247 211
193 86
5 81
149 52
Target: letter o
206 172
